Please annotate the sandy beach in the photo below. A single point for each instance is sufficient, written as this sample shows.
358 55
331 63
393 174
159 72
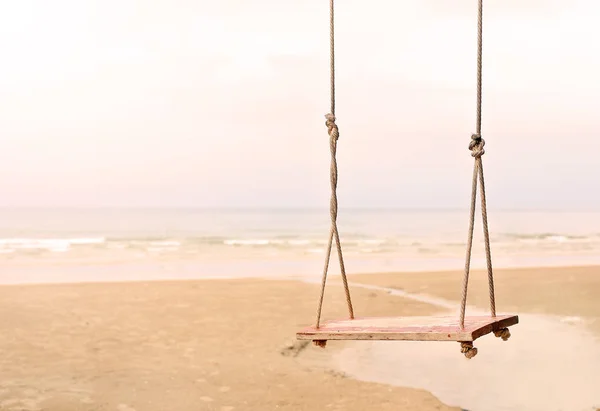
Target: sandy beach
230 344
174 175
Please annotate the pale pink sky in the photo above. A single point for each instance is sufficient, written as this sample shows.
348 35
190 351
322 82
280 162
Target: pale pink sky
211 103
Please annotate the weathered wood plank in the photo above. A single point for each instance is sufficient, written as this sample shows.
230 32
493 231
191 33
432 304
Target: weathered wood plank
408 328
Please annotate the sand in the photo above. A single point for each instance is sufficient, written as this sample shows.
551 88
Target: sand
559 291
229 344
204 345
549 364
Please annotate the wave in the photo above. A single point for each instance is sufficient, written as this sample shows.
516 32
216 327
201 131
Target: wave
554 237
9 245
249 242
17 241
302 244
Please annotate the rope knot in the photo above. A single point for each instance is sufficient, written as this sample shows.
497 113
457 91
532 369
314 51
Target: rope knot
476 145
320 343
332 128
468 350
503 333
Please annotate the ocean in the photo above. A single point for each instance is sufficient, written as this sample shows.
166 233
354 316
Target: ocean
49 245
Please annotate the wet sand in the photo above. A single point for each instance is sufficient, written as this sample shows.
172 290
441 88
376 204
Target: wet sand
549 364
229 345
556 291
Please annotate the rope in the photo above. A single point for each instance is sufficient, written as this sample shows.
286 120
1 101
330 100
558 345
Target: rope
503 333
332 60
479 63
486 235
463 303
468 350
477 151
334 134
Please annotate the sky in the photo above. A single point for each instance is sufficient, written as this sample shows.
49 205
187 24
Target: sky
201 103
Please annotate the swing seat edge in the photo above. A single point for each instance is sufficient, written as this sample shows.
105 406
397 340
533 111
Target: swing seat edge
440 328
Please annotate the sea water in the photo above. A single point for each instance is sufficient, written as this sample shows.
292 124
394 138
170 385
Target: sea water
86 244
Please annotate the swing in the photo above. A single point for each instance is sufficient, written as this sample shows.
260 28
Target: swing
464 330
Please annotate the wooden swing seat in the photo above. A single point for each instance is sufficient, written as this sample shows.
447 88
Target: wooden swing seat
408 328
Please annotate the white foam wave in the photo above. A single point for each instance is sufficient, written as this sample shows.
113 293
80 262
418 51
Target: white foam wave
369 250
85 241
299 242
553 238
285 244
160 249
246 242
373 242
48 244
165 243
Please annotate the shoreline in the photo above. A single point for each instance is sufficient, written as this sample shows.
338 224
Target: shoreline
108 272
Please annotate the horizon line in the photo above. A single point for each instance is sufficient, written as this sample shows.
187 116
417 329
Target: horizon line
288 208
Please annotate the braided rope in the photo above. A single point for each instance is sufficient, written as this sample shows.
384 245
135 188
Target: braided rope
477 151
334 135
468 350
503 333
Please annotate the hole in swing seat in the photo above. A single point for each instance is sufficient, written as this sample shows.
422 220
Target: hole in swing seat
408 328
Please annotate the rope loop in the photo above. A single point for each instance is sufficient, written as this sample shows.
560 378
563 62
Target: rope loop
503 333
476 146
332 128
468 350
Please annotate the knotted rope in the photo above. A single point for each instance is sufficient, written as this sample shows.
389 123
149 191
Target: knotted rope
334 135
476 146
468 350
503 333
